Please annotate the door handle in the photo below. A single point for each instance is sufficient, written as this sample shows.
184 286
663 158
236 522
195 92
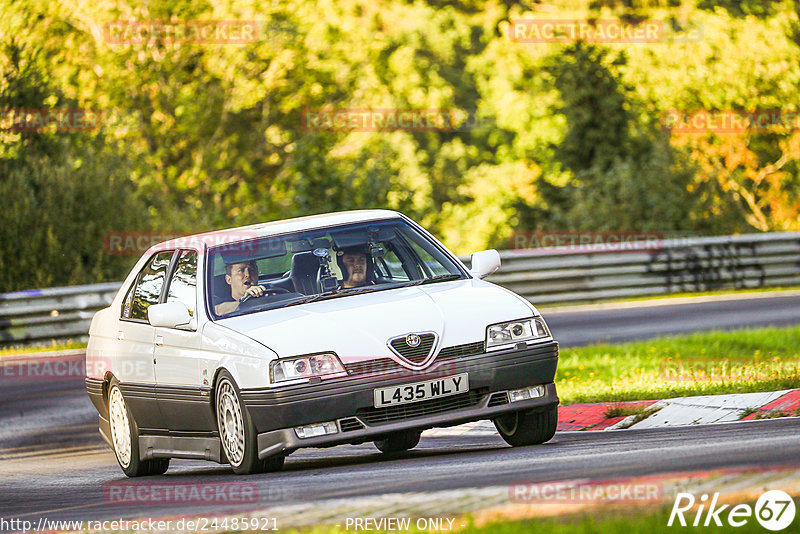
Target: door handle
159 340
120 335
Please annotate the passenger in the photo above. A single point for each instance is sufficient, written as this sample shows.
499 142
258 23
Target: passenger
243 279
355 265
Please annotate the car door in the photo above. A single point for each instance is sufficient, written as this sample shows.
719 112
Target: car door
182 372
136 370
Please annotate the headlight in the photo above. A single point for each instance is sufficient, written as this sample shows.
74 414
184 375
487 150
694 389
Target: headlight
515 331
306 367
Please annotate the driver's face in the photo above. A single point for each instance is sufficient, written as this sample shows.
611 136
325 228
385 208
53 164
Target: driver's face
242 277
357 268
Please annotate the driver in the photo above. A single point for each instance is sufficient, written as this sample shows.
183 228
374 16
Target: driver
243 279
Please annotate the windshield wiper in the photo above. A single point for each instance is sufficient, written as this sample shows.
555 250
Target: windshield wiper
333 294
310 298
434 279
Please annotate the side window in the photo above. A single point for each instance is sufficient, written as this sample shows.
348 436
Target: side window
429 262
183 284
391 267
149 285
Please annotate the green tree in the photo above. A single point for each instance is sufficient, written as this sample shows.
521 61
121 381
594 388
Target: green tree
625 175
62 191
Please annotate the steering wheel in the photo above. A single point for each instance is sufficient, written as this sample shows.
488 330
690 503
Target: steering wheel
268 291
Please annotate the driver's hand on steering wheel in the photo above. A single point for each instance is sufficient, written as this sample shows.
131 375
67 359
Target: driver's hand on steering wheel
255 291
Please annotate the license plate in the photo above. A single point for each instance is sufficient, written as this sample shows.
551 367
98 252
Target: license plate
420 391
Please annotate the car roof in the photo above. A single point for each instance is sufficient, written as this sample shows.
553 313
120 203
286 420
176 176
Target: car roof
310 222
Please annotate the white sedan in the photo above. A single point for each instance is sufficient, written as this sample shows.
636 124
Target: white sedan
244 345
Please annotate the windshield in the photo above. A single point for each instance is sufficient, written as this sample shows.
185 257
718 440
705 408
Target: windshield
334 262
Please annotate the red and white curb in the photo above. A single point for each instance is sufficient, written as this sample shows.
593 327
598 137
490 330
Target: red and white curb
711 409
681 411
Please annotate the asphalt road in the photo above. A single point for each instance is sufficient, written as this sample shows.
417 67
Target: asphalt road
52 462
78 485
643 320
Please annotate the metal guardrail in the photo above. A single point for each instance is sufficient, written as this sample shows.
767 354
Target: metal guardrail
54 313
543 276
549 276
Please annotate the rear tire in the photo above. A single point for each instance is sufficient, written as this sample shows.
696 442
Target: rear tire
237 433
399 442
125 438
532 427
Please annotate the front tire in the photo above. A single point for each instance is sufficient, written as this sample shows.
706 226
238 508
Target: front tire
125 438
398 442
532 427
237 433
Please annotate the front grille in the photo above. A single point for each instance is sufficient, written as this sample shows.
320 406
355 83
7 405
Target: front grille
417 354
382 365
403 412
350 424
459 351
386 365
498 399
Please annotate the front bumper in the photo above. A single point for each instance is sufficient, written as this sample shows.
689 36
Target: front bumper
349 401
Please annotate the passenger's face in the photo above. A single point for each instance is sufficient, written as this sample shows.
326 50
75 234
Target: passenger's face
242 277
357 268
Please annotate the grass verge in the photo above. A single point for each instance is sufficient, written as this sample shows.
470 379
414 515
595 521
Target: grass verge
639 417
769 414
740 361
631 520
12 350
622 410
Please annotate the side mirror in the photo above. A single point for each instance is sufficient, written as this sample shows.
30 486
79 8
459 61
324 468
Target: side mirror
484 263
170 315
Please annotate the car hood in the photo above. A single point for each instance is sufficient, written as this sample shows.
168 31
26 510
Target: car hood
358 327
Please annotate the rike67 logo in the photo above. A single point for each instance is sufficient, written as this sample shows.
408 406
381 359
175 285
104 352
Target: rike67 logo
774 510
